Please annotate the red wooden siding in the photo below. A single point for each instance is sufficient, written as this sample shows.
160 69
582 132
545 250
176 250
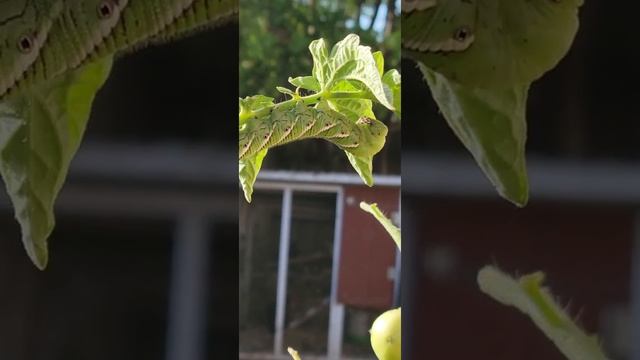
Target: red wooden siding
367 251
585 251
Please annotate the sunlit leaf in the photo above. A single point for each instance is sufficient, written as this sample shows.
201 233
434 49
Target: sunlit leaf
393 230
41 129
491 124
248 170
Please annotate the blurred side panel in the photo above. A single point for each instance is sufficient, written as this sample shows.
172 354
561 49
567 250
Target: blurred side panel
579 226
144 260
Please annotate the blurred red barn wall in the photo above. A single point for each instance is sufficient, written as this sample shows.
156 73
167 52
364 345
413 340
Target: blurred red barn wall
585 250
367 251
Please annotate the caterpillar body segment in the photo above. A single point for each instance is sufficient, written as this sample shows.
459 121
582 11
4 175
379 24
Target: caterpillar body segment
364 137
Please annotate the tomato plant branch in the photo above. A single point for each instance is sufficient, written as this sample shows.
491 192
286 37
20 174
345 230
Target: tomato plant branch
307 100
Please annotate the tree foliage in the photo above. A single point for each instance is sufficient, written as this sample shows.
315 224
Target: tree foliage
274 36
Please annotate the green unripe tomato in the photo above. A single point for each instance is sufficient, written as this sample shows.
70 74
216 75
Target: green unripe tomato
385 335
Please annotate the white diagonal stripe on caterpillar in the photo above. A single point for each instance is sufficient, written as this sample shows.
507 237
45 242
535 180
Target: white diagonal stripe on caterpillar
363 137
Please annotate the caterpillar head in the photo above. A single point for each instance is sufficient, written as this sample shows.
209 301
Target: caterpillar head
374 134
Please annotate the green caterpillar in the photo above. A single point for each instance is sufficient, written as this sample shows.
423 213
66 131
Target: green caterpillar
364 137
489 43
23 31
41 39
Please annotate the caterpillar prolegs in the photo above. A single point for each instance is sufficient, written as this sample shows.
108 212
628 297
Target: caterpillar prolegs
364 137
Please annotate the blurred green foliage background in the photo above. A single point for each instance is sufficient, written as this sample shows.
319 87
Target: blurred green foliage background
274 40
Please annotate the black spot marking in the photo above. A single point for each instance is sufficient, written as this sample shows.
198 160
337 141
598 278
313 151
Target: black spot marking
26 43
461 34
105 9
365 120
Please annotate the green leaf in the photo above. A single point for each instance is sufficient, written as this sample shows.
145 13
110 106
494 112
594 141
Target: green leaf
285 91
392 82
347 86
352 108
305 82
529 296
379 59
393 230
352 61
248 172
251 104
41 130
363 165
321 70
255 102
492 126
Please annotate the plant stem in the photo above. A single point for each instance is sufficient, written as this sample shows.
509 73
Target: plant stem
306 100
